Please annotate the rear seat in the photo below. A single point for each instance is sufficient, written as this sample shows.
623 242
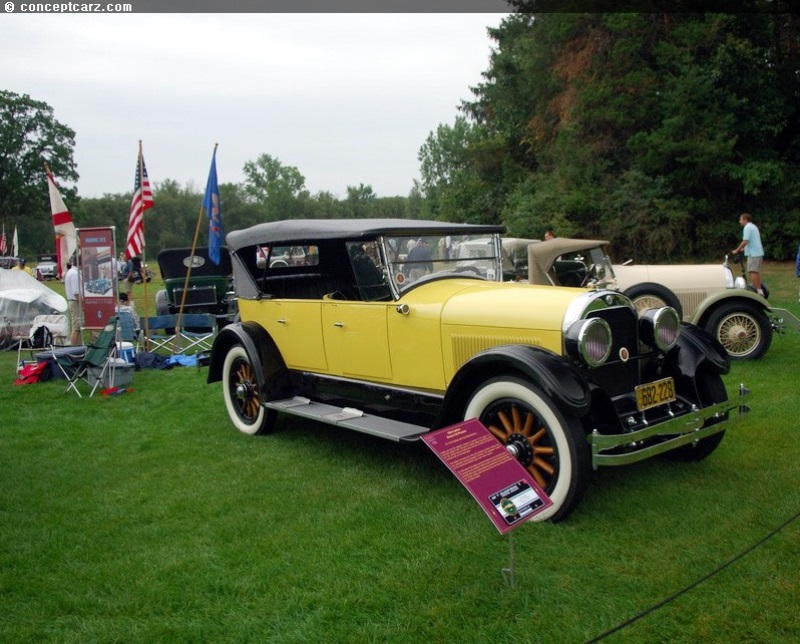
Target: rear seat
301 286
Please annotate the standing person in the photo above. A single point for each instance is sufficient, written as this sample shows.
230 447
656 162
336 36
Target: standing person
797 263
419 260
548 235
132 273
22 266
753 250
72 287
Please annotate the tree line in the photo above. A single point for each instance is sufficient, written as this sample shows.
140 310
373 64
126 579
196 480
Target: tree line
652 130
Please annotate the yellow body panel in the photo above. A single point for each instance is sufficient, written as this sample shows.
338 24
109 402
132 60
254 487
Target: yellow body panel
446 323
295 326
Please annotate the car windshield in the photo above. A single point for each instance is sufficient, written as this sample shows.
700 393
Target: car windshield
586 267
412 259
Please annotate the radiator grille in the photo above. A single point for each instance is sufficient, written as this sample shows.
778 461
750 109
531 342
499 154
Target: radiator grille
690 301
197 296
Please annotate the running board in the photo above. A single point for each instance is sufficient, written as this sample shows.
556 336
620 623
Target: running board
349 417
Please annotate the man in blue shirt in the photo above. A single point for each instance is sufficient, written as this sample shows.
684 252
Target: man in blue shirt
753 250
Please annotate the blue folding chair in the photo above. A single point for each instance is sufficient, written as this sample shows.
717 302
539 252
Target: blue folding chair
159 332
196 332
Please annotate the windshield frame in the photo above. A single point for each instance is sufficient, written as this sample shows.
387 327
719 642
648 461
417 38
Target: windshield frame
473 256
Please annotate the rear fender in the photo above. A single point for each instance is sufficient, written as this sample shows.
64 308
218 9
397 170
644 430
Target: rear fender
263 353
558 379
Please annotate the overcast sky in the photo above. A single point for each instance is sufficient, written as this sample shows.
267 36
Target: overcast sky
345 98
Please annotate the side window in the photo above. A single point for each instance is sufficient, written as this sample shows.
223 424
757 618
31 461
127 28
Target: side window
282 256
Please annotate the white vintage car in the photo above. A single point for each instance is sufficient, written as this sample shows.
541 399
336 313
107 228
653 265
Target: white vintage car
707 295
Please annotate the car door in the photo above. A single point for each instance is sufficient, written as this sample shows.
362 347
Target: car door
295 327
356 339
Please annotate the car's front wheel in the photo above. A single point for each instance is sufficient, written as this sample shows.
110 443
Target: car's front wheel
743 330
242 396
551 445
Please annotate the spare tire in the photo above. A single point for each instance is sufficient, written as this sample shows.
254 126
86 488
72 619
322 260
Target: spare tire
649 295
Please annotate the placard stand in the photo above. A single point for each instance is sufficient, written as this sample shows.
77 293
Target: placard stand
509 574
504 489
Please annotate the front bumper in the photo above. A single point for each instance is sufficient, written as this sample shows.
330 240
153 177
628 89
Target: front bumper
638 445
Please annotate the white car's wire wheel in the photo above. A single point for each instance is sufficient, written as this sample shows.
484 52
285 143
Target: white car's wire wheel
649 295
242 396
548 443
743 330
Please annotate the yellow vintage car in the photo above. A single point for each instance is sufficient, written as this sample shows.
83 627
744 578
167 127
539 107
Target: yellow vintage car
390 328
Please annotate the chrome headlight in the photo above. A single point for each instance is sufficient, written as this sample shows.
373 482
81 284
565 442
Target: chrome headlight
740 282
589 340
660 328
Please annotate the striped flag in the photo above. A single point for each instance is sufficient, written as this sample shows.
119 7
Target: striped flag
3 242
142 200
66 235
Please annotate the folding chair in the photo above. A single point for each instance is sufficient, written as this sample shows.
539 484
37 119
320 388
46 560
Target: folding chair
98 356
35 343
198 330
127 328
155 341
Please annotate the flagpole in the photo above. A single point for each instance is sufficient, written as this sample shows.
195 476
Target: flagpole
189 269
144 261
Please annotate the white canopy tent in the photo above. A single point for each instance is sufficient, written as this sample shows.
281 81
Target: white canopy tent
22 298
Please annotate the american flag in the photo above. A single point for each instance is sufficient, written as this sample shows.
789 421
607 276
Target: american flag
3 243
142 200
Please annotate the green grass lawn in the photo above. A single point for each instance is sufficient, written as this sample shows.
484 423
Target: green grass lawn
146 517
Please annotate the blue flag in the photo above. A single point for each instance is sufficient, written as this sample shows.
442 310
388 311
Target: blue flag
211 206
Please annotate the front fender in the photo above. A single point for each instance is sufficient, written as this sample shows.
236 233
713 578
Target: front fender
559 380
705 307
267 361
697 348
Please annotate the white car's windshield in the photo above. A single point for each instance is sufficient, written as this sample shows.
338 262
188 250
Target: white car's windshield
411 259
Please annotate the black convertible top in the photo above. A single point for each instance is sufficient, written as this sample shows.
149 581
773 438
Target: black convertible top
299 230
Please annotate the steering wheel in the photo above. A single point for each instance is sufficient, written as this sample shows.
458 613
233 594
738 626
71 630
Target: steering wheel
590 276
467 269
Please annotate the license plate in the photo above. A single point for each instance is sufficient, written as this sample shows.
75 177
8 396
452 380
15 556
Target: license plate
655 393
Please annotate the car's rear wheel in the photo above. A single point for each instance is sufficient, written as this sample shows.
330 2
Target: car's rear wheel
242 396
649 295
551 445
743 330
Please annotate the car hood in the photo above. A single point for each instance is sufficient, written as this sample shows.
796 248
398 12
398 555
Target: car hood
678 278
507 305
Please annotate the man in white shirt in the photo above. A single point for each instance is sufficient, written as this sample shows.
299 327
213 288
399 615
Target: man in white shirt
72 287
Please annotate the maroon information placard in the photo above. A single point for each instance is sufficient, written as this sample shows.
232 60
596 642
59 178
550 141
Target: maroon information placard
497 481
98 277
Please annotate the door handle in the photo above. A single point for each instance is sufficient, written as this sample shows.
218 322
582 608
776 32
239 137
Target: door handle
281 320
338 324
